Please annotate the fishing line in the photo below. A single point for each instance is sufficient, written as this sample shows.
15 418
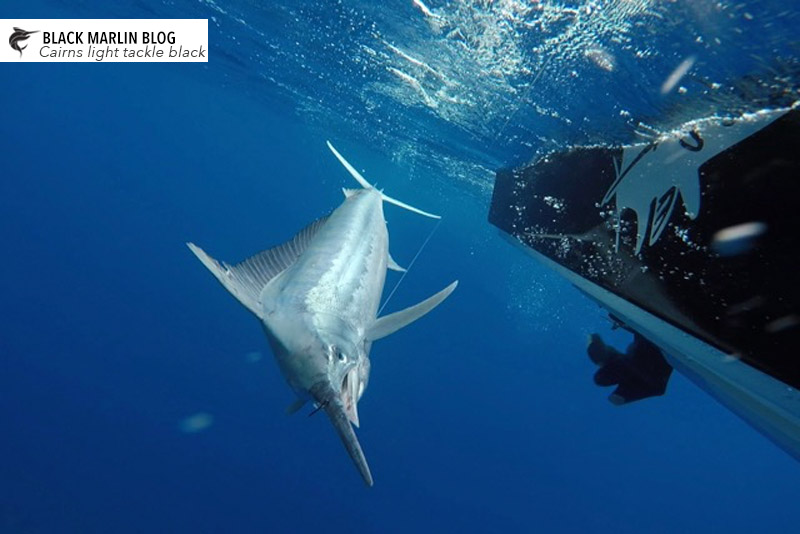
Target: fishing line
320 406
524 96
410 265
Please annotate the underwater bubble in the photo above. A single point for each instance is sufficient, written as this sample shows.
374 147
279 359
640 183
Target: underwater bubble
746 305
733 357
782 323
601 58
676 75
737 239
196 423
253 357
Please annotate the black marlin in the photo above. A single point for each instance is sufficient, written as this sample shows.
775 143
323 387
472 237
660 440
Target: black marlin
317 297
19 35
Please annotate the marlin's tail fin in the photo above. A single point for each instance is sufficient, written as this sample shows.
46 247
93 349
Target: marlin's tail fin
366 185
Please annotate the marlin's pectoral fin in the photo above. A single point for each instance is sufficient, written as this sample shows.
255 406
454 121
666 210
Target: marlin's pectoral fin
295 407
391 264
389 324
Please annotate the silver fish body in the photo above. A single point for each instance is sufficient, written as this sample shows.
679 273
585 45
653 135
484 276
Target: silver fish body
317 298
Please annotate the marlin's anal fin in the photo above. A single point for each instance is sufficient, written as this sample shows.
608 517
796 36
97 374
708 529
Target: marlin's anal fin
391 264
389 324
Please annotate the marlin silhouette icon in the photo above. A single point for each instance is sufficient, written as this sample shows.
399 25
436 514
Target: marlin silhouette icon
19 35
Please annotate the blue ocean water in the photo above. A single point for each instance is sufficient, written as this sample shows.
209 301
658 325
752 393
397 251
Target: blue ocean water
137 396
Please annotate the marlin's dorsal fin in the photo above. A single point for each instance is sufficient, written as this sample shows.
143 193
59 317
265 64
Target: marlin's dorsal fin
366 185
389 324
391 264
245 280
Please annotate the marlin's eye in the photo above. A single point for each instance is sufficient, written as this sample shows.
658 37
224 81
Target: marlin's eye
341 356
